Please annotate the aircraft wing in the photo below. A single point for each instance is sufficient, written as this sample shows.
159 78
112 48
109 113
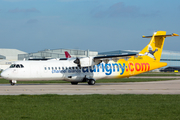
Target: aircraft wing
89 61
115 58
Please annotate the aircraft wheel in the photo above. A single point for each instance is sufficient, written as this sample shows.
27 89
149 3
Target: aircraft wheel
74 83
12 82
91 82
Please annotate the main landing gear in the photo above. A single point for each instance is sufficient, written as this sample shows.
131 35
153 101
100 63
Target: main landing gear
13 82
89 81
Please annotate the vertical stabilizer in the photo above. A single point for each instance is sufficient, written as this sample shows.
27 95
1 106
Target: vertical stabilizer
67 54
154 49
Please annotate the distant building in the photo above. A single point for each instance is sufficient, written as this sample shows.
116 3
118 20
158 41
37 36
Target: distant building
7 56
172 58
57 53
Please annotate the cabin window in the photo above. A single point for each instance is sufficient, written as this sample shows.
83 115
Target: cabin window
69 67
45 68
55 68
52 68
59 68
63 68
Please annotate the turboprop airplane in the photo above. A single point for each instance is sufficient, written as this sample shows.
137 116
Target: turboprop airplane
90 69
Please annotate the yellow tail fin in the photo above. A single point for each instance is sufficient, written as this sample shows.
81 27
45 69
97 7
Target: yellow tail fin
154 49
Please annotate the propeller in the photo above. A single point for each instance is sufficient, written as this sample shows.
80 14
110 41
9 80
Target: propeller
77 61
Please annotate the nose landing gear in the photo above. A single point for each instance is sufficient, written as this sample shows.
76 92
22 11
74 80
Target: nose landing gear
13 82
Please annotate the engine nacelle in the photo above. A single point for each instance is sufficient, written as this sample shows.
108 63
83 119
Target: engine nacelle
79 78
74 78
86 61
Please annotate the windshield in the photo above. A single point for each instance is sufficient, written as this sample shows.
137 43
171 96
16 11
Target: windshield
16 66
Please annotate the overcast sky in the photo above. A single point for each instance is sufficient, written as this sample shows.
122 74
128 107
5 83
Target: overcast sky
97 25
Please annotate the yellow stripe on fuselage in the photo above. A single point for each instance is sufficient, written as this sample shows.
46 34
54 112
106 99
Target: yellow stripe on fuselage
135 66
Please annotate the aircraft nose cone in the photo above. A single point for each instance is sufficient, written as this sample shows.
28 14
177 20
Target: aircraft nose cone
4 74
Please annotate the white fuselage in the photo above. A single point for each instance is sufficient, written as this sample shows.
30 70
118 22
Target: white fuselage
54 70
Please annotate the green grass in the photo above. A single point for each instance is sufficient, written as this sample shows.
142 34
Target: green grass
3 81
90 107
158 74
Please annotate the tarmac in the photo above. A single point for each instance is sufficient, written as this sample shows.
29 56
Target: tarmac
157 87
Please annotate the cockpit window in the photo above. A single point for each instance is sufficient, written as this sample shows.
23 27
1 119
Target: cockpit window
12 66
16 66
21 66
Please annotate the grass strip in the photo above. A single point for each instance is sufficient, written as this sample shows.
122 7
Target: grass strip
156 74
90 107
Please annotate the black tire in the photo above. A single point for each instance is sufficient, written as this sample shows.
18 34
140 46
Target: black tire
74 83
11 82
91 82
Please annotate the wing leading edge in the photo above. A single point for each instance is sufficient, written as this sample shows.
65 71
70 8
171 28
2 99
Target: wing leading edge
114 56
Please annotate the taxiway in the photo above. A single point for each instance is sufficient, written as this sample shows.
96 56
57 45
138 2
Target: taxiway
158 87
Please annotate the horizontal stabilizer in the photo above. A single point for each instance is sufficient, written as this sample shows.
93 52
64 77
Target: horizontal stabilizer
158 35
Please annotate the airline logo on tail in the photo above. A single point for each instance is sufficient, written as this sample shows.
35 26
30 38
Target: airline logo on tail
151 52
67 54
